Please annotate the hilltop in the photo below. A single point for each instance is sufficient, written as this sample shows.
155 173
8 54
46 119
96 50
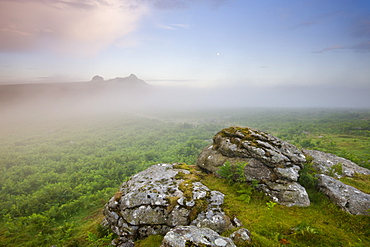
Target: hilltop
68 90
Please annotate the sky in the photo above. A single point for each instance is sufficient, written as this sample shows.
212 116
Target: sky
188 43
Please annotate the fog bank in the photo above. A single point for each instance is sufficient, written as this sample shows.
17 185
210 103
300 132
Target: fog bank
131 94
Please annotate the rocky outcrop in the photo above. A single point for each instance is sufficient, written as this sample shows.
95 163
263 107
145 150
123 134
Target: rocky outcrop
160 198
170 200
346 197
182 236
241 236
274 163
332 165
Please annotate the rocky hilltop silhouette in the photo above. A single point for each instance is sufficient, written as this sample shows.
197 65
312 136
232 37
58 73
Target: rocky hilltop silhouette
120 91
97 83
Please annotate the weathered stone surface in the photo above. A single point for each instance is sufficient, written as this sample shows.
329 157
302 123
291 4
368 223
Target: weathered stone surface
210 159
241 236
287 193
346 197
251 143
154 201
274 163
288 173
324 162
256 170
182 236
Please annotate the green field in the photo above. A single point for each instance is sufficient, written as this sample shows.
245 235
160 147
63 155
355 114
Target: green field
58 172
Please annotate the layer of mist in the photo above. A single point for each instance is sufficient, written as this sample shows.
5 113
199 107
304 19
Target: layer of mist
131 94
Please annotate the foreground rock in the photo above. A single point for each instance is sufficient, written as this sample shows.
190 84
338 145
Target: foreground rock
346 197
332 165
183 236
160 198
274 163
241 236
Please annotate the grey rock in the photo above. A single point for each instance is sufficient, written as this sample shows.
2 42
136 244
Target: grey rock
324 162
182 236
287 193
274 163
237 222
151 202
251 143
123 242
346 197
213 218
288 173
241 236
256 170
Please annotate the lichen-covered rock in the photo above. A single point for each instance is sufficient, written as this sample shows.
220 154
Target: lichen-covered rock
241 236
251 143
213 217
159 199
274 163
333 165
287 193
183 236
346 197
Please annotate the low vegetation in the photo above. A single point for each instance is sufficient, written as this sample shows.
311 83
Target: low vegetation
320 224
57 174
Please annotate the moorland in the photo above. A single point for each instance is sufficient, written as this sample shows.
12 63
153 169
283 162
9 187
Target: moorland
57 172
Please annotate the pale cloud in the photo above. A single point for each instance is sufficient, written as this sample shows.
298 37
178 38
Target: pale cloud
180 4
362 47
331 48
67 26
361 32
173 26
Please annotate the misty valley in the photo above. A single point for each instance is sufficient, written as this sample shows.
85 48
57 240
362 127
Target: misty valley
57 173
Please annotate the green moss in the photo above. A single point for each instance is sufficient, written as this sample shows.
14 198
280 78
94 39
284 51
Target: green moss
181 166
233 132
180 175
359 181
187 188
151 241
200 206
172 202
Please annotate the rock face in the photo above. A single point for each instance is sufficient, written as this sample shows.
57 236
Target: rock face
183 236
333 165
241 236
346 197
272 162
160 198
